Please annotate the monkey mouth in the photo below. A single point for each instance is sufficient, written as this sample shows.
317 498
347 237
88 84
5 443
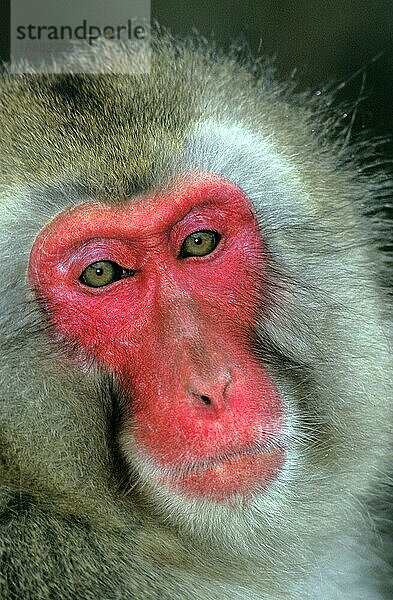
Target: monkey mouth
230 455
243 472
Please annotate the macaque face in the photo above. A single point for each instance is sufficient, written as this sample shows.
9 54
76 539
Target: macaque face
165 290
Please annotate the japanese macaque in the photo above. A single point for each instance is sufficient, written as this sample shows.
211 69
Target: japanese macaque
196 381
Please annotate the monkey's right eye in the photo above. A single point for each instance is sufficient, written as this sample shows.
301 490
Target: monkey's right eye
103 273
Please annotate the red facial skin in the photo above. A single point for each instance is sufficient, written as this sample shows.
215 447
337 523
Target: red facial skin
177 330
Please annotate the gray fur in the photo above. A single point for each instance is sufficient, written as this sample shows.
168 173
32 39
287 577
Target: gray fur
79 515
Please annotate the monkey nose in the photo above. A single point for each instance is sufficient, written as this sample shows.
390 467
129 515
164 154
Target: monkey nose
214 395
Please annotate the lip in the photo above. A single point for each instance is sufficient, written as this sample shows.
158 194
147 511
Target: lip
226 456
242 473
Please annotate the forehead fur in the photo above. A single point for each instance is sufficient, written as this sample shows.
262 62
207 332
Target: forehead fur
122 132
116 134
102 126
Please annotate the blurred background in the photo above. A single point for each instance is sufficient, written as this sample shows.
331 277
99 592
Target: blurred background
325 40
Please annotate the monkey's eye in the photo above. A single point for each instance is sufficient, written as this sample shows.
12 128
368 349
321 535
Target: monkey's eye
103 273
199 243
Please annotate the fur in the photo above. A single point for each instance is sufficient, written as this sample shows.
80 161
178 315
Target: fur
78 516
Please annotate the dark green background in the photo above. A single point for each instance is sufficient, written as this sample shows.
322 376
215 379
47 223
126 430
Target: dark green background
324 39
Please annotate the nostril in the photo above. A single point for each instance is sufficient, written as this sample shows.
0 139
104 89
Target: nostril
202 399
206 400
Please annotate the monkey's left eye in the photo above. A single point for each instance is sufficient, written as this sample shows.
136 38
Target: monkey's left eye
103 273
199 243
